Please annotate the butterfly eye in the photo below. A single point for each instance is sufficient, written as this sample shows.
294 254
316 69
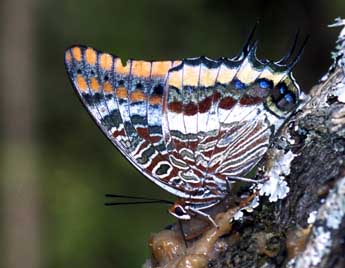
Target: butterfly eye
282 98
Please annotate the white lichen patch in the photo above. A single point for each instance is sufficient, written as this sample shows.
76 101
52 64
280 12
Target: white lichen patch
276 187
338 54
340 48
340 92
338 23
330 216
313 254
333 210
312 217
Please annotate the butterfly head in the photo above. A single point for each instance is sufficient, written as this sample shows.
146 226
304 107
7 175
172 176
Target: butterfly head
267 82
279 92
283 97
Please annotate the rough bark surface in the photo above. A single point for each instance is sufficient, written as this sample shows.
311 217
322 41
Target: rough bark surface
307 228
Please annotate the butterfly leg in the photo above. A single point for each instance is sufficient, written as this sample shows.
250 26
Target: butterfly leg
248 199
198 212
182 232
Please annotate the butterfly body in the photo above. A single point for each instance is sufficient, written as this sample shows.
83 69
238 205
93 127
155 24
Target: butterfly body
188 125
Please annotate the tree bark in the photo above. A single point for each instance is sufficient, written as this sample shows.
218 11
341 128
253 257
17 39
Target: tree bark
307 228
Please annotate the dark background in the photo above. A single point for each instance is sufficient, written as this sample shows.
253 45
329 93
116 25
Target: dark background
55 163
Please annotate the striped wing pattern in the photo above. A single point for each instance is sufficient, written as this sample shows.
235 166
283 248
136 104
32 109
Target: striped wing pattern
215 130
187 125
126 103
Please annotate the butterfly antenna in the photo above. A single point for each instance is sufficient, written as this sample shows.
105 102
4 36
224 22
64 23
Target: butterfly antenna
299 54
142 200
291 50
134 203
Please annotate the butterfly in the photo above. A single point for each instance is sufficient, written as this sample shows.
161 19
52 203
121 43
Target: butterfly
191 126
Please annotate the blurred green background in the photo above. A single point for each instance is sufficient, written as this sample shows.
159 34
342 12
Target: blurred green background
56 165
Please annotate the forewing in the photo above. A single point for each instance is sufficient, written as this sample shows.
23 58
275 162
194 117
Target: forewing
126 103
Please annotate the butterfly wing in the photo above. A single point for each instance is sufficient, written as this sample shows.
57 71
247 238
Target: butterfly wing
187 125
217 117
126 102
